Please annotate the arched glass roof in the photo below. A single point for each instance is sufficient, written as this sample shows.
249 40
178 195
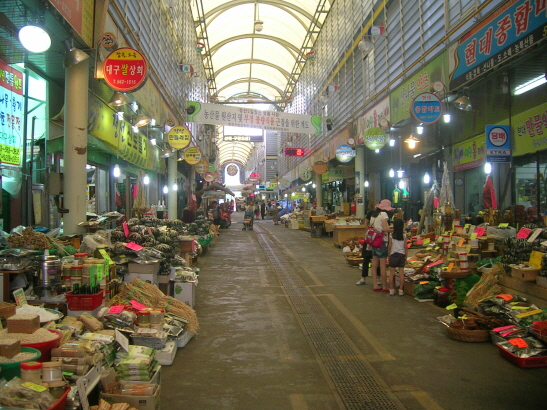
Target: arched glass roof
251 64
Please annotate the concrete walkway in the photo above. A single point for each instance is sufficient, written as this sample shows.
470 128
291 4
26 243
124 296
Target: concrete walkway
283 326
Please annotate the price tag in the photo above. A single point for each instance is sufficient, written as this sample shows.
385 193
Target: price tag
479 231
501 329
468 248
133 246
82 392
459 229
519 342
426 241
34 386
531 313
137 305
149 231
437 248
523 233
520 307
450 267
125 229
461 242
472 229
439 239
425 282
503 225
505 297
115 310
122 340
474 235
452 306
20 298
467 226
536 259
535 234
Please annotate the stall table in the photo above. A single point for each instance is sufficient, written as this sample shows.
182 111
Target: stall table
344 232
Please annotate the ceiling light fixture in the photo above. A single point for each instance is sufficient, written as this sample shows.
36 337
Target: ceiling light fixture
74 55
463 103
447 118
142 120
34 38
116 171
166 153
118 99
420 129
412 141
530 85
427 178
146 179
391 173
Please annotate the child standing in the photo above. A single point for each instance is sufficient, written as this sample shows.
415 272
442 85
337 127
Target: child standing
397 252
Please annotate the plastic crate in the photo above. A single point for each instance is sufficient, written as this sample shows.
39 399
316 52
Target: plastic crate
84 302
524 363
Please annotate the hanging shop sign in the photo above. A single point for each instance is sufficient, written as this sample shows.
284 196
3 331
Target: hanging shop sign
345 153
125 69
201 167
375 138
179 137
243 138
305 175
219 114
401 98
170 122
469 154
320 167
133 147
79 14
498 143
427 108
232 170
11 115
254 177
209 176
530 130
377 117
192 155
510 30
108 40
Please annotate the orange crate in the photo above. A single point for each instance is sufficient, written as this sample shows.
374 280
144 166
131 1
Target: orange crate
84 302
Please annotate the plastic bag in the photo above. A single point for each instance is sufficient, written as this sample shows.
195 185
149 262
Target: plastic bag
14 394
501 233
91 242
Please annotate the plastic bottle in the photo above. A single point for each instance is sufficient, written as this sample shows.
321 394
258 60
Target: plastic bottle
31 372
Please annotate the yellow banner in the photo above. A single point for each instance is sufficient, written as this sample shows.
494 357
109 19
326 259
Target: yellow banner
119 136
469 154
530 130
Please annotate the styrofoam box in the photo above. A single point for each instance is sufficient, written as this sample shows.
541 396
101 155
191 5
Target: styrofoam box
185 292
147 277
76 313
166 355
184 338
143 267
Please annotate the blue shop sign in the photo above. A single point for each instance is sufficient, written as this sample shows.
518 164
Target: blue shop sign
427 108
498 143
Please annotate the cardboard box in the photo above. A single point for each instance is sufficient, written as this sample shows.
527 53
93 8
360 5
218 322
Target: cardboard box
408 288
23 323
184 338
318 218
150 268
166 355
139 402
524 273
7 309
185 292
152 278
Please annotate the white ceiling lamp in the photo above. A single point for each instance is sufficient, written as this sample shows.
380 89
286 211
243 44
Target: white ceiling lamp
391 142
146 179
412 141
364 45
401 184
427 178
420 129
165 189
34 38
463 103
142 120
175 187
400 173
391 173
118 99
487 168
367 183
116 171
447 118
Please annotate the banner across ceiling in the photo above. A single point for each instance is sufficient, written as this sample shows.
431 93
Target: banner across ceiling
220 114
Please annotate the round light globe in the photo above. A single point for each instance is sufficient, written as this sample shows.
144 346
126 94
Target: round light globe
34 39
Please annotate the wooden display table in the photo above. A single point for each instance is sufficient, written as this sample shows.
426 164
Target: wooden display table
344 232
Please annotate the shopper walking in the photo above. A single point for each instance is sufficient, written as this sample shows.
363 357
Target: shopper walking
379 221
263 209
366 253
397 256
275 214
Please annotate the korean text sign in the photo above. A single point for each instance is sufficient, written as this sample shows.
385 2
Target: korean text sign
11 115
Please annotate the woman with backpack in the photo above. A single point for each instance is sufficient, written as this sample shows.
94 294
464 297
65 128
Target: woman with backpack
379 220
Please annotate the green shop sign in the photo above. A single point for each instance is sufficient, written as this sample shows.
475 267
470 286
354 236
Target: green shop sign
375 138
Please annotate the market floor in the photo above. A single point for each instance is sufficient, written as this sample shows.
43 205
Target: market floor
283 326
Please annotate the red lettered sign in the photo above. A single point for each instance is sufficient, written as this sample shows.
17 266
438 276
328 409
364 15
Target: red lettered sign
125 69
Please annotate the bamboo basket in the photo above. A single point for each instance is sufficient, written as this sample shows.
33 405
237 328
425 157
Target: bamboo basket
471 336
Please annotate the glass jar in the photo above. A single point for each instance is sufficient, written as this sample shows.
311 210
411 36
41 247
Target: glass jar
31 372
143 318
57 389
52 372
80 257
156 317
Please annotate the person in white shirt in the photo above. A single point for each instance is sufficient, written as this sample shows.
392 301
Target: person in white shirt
379 221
